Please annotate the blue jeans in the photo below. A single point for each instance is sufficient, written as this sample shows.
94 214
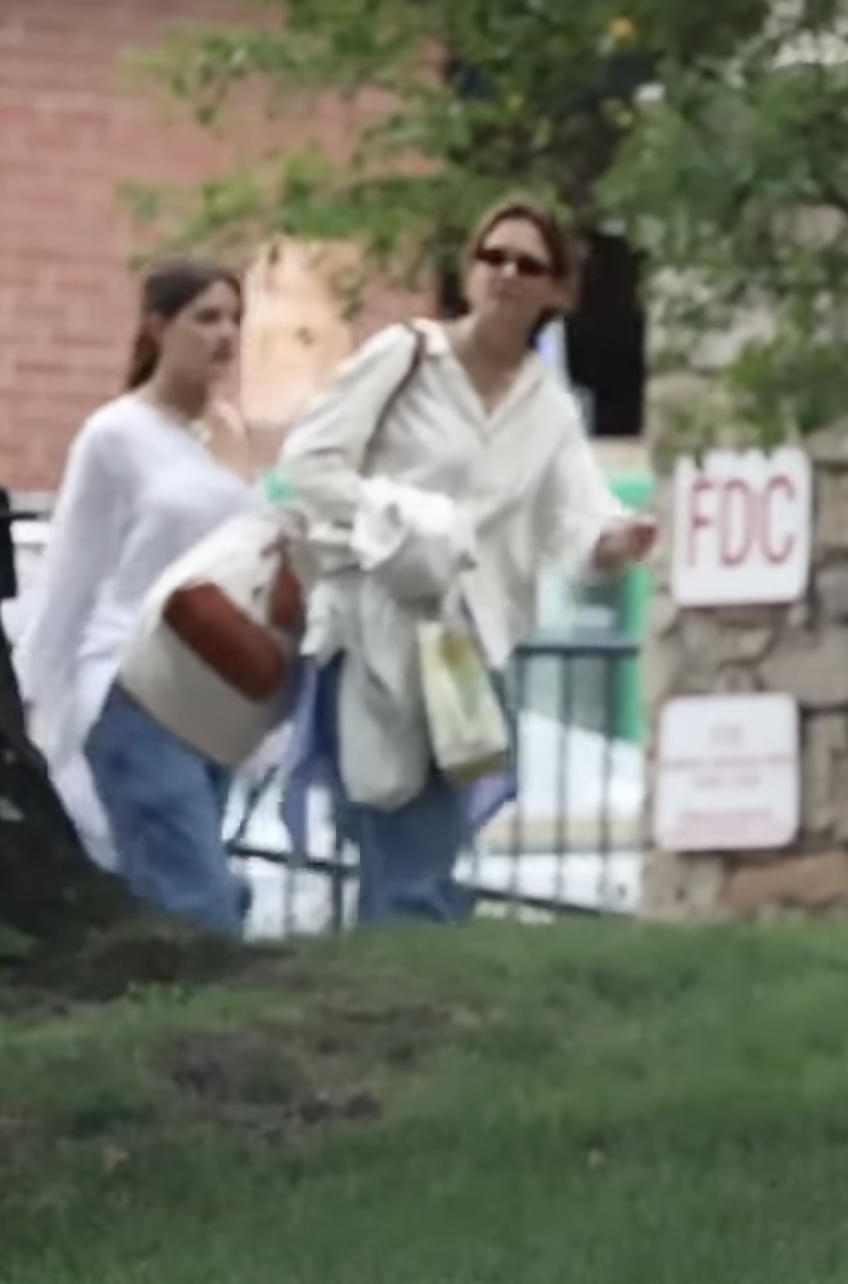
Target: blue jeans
165 806
406 856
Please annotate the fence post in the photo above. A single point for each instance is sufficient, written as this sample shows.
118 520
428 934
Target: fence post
800 649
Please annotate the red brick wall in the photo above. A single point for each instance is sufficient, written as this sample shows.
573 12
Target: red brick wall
71 131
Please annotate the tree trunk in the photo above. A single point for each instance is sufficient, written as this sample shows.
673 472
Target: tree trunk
49 889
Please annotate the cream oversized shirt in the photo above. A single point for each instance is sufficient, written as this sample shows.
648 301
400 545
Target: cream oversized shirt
524 475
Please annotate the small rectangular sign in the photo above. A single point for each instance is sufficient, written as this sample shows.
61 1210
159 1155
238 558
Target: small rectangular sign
727 773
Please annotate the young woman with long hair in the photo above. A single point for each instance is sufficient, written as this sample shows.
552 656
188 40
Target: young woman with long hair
150 473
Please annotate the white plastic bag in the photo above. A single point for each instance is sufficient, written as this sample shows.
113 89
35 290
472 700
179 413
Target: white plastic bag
468 729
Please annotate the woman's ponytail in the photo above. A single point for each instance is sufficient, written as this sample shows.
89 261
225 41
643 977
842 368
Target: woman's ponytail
145 355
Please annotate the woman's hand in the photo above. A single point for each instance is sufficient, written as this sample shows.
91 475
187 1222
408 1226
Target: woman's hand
627 541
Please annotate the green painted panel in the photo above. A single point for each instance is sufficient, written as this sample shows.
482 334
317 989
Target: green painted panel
568 612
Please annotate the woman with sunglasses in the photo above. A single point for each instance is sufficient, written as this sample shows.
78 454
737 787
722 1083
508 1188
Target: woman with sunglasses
483 422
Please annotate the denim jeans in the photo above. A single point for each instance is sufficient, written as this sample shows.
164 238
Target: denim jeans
165 806
407 856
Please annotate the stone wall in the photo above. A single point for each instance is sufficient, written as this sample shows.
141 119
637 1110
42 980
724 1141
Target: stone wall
802 650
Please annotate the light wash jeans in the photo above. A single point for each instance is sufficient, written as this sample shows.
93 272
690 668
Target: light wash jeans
165 806
407 857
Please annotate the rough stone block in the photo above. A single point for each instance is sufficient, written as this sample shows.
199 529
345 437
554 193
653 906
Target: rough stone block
824 738
829 448
840 799
683 889
813 667
736 680
832 590
810 884
662 672
663 615
831 532
710 646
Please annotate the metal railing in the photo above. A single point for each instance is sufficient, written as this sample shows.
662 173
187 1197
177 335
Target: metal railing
569 844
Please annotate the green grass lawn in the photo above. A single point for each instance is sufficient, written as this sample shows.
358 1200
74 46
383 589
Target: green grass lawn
578 1105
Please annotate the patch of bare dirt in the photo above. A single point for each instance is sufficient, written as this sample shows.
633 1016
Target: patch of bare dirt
398 1035
248 1080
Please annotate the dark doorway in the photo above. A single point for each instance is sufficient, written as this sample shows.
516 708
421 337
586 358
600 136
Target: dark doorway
606 339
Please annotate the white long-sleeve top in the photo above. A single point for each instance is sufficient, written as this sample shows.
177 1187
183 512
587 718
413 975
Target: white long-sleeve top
524 475
138 491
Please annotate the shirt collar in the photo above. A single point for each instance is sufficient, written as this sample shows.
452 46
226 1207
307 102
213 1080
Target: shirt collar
437 344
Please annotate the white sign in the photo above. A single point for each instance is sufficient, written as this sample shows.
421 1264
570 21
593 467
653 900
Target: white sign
728 773
742 528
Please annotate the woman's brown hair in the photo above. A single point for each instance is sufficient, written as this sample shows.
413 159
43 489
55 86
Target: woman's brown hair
167 289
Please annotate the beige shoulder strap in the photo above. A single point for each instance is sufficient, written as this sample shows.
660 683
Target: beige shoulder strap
419 347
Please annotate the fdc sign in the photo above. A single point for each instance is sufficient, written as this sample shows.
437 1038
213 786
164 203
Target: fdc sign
742 528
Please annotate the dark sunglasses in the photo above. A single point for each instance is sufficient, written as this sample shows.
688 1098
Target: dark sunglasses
524 264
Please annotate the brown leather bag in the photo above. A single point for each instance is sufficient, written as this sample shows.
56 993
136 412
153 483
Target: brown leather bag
254 658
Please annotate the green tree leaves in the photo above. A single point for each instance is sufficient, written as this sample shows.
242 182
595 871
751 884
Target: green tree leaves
737 185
